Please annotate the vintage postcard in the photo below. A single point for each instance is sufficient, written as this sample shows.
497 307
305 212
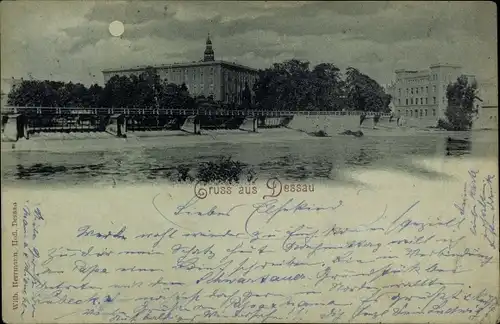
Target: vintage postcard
234 162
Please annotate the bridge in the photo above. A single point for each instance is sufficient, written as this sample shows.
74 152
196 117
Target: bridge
177 112
19 122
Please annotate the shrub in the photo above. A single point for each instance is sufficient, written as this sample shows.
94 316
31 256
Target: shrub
444 124
183 173
320 133
225 169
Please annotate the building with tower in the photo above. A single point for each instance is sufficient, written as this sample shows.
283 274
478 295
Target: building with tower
224 81
208 56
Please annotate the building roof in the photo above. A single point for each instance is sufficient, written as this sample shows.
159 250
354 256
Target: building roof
186 64
208 59
444 65
427 71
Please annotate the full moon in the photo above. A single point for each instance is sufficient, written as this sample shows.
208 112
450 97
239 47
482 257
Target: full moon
116 28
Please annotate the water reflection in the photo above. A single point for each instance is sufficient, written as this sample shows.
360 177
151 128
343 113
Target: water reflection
457 146
363 157
328 159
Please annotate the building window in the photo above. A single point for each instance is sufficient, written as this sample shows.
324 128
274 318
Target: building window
411 113
407 101
400 92
399 101
427 89
426 112
443 100
421 101
434 100
433 112
411 91
416 90
433 88
422 89
411 101
421 112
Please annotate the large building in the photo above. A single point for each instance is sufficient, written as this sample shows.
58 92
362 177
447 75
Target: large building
224 81
422 94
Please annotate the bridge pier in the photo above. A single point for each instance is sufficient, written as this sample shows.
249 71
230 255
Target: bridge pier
285 121
249 124
117 125
15 127
192 125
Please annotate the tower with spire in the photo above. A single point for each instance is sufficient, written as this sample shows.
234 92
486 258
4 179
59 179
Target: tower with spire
209 52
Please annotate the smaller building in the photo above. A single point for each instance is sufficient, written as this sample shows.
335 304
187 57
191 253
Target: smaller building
6 86
422 93
487 118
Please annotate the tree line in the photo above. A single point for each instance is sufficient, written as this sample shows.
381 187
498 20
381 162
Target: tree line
290 85
146 90
293 85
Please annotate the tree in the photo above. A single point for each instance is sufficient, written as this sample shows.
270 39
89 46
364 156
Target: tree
364 93
118 92
291 85
94 96
246 96
175 96
38 93
328 87
35 93
146 90
460 111
283 86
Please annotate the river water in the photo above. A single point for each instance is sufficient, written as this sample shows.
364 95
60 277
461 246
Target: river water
154 158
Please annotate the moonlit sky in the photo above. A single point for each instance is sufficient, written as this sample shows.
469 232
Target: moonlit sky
71 40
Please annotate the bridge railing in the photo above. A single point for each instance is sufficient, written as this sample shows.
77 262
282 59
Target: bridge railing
182 112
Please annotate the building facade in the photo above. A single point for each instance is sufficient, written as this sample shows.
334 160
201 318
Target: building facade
422 94
488 113
224 81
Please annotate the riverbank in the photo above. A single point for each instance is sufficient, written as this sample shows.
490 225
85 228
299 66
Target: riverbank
95 141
